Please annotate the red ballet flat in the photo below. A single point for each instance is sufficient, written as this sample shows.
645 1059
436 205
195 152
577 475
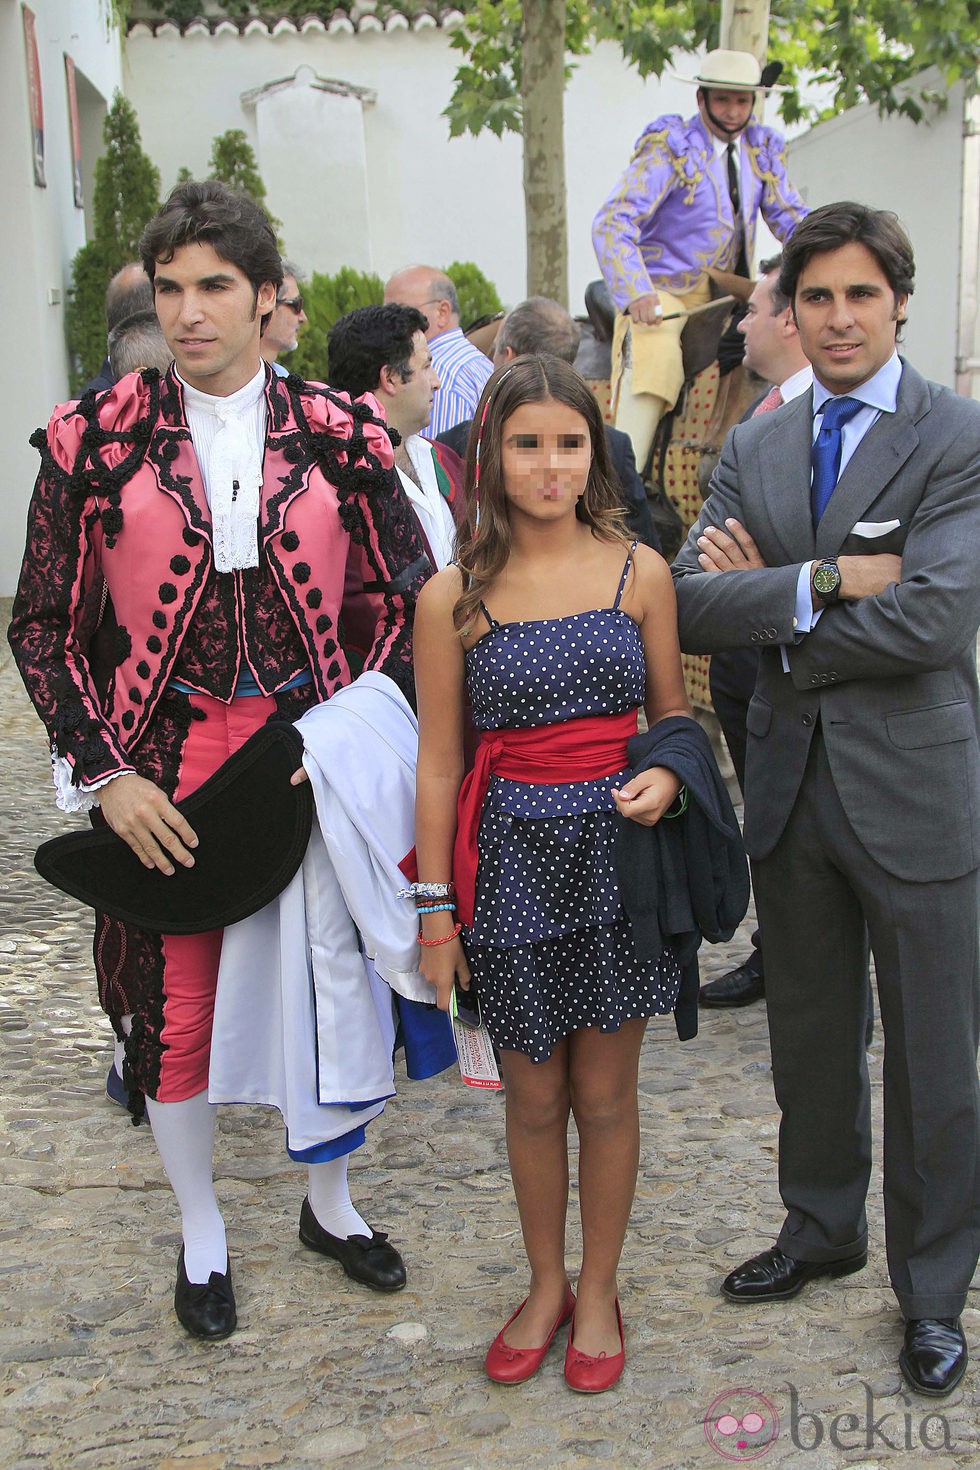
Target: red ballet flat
506 1364
594 1375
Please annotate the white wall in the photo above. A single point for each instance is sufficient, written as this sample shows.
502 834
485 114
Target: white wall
430 198
306 125
916 171
42 229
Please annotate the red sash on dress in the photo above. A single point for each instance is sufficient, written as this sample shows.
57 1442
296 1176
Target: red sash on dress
575 750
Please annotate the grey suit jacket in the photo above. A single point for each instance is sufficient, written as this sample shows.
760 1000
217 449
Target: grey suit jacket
892 678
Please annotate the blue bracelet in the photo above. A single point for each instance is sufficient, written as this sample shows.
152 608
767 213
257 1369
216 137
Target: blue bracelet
437 908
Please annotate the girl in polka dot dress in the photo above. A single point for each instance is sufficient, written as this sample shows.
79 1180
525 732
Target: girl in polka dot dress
558 630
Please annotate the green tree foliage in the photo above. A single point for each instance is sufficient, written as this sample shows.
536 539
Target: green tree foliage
127 184
865 52
477 296
327 298
233 161
181 11
126 194
85 327
870 52
184 11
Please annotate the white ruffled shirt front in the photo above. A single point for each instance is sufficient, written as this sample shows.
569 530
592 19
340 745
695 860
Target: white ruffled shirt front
228 435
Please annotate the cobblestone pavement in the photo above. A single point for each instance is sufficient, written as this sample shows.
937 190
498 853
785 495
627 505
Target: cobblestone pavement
95 1371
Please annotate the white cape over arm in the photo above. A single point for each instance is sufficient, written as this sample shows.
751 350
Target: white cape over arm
303 1019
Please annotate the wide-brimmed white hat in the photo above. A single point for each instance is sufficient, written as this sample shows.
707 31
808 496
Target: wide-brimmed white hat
738 71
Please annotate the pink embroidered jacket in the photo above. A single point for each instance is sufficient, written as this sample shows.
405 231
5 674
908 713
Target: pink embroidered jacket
120 497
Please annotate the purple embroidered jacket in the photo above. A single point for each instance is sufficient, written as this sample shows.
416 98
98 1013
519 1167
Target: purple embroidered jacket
670 215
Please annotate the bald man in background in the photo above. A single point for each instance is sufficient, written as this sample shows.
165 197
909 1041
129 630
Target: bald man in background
129 293
462 369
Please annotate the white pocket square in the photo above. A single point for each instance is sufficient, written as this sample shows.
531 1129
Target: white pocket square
874 528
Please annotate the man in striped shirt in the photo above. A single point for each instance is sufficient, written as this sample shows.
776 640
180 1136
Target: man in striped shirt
462 369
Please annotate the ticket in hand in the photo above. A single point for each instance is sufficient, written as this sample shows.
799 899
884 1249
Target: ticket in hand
474 1049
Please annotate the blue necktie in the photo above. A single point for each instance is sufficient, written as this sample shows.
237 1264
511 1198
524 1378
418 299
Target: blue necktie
825 455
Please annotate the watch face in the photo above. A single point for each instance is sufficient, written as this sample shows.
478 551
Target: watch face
826 580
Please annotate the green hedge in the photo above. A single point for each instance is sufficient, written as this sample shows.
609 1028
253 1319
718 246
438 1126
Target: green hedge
477 296
126 194
327 298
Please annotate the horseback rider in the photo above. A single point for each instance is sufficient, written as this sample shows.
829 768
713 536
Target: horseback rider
686 204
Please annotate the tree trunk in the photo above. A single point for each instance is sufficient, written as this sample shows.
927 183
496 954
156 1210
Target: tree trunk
745 27
543 102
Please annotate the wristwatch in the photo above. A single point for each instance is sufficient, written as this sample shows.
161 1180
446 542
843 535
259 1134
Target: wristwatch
826 580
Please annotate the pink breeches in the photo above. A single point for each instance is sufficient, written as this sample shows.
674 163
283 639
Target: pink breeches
191 960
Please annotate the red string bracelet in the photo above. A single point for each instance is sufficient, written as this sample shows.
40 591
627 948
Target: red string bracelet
445 938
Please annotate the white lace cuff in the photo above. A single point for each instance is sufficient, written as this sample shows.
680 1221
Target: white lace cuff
72 798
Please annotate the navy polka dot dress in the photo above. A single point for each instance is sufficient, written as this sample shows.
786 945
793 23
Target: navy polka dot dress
551 949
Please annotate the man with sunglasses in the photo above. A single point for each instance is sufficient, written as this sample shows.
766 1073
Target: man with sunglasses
282 333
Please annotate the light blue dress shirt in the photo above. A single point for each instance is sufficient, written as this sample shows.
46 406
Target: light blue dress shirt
463 371
880 395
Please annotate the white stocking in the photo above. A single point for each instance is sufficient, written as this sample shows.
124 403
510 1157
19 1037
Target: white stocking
184 1133
119 1047
330 1199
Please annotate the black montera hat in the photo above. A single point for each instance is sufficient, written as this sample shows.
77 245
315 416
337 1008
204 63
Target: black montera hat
252 828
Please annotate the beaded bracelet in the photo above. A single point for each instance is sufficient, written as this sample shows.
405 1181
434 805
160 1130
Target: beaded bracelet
679 805
437 908
457 930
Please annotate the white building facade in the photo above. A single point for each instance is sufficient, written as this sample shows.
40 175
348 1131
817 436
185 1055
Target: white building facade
928 173
43 226
346 118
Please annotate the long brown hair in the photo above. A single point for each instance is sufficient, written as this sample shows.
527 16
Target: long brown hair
483 545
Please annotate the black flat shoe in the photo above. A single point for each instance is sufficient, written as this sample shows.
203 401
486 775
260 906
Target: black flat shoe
776 1277
206 1310
738 988
934 1357
368 1259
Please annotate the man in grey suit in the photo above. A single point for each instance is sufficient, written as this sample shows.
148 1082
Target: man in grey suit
841 536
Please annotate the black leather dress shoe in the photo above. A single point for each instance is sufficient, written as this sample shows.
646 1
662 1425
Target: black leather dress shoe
776 1277
738 988
206 1310
370 1260
934 1357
